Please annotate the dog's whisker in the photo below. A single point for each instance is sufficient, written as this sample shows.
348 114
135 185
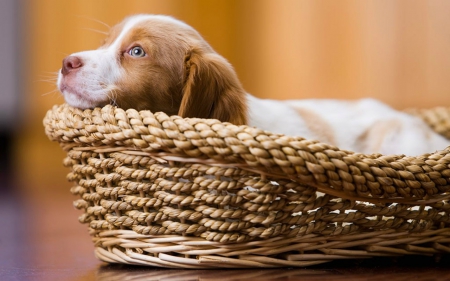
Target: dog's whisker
112 96
96 20
51 72
50 92
49 76
46 80
63 55
96 30
115 98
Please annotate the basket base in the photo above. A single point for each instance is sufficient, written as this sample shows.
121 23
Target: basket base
171 251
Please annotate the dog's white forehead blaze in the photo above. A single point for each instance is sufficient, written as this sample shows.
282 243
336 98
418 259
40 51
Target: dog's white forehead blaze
132 21
113 69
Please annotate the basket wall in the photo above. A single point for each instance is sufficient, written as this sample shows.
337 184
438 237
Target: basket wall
170 192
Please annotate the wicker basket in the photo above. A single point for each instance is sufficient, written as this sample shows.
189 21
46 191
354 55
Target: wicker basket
197 193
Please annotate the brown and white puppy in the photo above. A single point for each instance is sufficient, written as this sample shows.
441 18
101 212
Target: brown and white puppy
159 63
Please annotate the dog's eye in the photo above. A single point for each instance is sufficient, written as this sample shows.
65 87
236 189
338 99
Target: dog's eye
136 52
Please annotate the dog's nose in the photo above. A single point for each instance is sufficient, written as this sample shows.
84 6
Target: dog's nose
70 64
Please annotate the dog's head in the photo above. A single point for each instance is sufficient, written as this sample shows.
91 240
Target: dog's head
158 63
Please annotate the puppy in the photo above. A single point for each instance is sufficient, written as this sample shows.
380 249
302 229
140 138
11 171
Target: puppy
159 63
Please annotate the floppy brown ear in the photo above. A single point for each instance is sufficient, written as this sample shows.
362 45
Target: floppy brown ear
212 89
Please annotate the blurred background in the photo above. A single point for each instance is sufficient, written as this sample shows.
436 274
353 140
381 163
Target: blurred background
397 51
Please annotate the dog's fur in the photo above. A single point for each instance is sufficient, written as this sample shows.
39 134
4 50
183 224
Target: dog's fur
158 63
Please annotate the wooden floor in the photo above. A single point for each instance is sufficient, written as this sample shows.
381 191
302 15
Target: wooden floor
41 239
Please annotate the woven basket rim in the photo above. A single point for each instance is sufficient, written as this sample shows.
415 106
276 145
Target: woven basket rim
373 178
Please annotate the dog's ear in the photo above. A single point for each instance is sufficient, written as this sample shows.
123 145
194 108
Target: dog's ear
211 89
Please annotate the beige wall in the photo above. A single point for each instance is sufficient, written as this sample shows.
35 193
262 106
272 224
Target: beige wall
396 51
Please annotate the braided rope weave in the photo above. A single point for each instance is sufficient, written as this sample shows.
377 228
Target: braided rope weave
198 193
438 118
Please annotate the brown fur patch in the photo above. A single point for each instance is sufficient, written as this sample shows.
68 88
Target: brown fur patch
212 89
371 140
317 125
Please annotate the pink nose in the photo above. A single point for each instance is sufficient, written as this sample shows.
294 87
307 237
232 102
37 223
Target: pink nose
71 63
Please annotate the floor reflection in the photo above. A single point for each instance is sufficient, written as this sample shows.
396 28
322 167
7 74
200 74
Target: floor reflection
405 268
117 272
